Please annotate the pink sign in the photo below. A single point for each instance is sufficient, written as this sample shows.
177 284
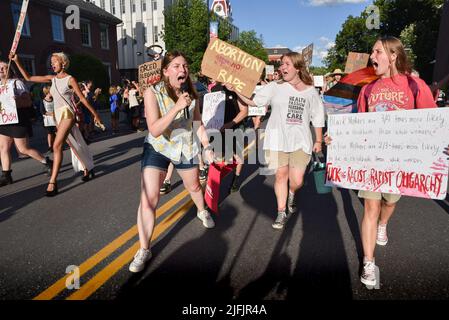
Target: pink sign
397 152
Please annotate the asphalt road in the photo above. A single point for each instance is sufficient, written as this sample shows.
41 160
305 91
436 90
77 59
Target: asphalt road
316 256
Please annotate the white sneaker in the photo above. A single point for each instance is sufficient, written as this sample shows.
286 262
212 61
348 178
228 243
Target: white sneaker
368 276
280 221
204 216
291 203
382 238
141 257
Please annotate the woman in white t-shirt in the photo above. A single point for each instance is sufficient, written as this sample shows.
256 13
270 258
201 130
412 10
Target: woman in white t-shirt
134 107
288 138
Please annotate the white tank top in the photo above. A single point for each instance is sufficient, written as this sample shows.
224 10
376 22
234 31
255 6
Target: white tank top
61 92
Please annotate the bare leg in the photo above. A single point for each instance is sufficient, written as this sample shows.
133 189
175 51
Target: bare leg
386 212
191 181
149 199
296 178
5 152
281 187
369 227
24 148
61 136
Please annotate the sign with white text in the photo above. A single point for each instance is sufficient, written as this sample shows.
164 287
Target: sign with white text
214 110
399 152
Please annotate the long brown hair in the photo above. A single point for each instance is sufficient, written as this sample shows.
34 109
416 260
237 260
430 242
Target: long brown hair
168 58
394 45
300 65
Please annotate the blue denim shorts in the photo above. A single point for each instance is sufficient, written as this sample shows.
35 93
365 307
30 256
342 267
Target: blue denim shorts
153 159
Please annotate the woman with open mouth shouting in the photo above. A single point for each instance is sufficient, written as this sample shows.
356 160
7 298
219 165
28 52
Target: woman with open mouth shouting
171 106
396 89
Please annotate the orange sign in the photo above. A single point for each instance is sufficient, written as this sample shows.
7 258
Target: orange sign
356 61
228 64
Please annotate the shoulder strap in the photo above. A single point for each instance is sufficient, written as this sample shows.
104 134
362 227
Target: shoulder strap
56 87
413 85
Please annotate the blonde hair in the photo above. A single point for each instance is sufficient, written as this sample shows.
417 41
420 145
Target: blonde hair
112 90
64 59
46 90
300 65
393 45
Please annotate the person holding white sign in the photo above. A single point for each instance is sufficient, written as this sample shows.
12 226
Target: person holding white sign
396 89
288 138
171 107
17 133
62 89
234 113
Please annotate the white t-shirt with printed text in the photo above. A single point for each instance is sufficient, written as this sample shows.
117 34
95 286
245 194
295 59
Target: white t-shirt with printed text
288 127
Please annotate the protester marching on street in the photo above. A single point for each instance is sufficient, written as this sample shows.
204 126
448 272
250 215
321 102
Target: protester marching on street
391 64
18 133
170 104
288 138
235 113
62 88
48 114
114 104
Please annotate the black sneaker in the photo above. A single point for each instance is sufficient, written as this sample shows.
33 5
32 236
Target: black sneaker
166 188
203 174
5 178
48 165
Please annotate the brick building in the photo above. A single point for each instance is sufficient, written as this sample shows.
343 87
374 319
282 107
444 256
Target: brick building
45 32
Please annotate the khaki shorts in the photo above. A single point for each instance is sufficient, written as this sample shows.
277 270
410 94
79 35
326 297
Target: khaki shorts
277 159
388 197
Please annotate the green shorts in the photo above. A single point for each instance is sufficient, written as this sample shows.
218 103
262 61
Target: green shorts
388 197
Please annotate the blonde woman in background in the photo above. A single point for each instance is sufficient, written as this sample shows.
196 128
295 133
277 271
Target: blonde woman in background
62 88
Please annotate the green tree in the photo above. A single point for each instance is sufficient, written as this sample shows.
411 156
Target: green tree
86 67
396 19
250 43
408 38
186 29
319 71
354 36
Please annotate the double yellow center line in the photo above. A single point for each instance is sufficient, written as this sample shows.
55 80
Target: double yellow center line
111 269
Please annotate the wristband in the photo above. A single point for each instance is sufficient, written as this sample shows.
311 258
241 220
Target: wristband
209 147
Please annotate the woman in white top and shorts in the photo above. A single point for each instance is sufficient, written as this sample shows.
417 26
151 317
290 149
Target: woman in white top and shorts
288 139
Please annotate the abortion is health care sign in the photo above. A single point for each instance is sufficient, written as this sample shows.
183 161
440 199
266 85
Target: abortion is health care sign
398 152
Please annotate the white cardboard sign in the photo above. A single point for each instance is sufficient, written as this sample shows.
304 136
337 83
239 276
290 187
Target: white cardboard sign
214 110
318 81
8 110
398 152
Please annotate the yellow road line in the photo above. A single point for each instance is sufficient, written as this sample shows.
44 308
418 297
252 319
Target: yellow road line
110 270
90 263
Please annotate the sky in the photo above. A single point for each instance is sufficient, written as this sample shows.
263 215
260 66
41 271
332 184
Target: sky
296 23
